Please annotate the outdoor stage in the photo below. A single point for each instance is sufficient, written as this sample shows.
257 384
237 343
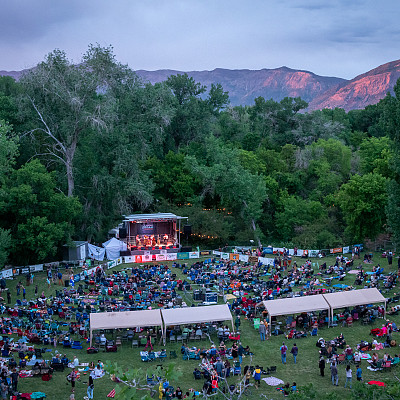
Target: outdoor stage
154 233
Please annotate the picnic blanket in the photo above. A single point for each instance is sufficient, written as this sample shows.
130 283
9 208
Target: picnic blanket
111 394
365 356
272 381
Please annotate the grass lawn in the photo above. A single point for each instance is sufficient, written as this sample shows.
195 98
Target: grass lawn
266 354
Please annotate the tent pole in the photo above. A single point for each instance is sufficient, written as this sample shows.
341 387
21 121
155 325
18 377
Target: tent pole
91 335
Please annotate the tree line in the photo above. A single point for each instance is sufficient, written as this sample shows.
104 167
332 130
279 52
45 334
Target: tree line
83 144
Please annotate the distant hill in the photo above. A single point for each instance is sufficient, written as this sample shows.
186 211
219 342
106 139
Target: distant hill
319 91
361 91
245 85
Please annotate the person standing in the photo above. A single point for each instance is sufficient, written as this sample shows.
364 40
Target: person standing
72 379
14 380
294 351
90 387
359 373
283 352
148 341
349 375
266 328
237 323
240 352
262 330
8 297
321 365
257 376
23 292
334 374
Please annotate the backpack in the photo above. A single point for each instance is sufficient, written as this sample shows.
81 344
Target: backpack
257 374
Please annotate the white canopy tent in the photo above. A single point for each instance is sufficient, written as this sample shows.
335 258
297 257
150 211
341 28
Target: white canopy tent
192 315
97 253
124 320
113 248
353 298
295 305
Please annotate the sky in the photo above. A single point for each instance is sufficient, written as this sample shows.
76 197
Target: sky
342 38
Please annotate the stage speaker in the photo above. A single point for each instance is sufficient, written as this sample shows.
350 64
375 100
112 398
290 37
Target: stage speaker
122 233
187 230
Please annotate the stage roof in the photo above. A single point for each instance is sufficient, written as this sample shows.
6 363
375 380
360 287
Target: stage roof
152 217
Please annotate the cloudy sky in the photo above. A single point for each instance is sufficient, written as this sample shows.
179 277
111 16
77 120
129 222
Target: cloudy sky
337 38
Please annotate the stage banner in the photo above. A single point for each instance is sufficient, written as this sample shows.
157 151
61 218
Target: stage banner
182 256
147 257
194 254
138 259
171 256
129 259
346 249
313 253
243 257
160 257
336 250
234 257
217 253
225 256
205 252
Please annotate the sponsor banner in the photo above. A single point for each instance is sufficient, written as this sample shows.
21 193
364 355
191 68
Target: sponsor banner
111 264
291 252
182 256
313 253
268 250
266 261
160 257
138 259
216 253
129 259
234 257
225 256
147 253
346 249
194 254
172 256
7 273
25 270
163 252
205 252
35 268
253 259
147 257
118 261
277 249
336 250
243 257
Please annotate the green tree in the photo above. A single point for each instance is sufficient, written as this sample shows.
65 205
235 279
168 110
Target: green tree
67 100
38 215
376 155
363 200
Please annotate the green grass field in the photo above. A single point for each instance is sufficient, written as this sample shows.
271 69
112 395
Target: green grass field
266 354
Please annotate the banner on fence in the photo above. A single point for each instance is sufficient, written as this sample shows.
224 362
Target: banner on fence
182 256
147 257
194 254
36 268
335 250
225 256
234 257
216 253
268 250
205 252
171 256
266 261
313 253
243 257
346 249
160 257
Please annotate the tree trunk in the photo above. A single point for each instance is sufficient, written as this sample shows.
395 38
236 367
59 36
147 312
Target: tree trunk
253 225
69 158
70 178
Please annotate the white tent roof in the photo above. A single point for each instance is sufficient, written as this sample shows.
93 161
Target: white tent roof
114 243
190 315
125 319
295 305
357 297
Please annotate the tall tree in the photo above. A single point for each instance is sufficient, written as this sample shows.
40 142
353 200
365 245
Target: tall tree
67 100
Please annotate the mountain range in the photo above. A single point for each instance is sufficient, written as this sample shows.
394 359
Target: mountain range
319 91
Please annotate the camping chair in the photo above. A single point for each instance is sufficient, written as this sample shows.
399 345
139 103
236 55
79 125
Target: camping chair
386 366
314 332
271 369
163 355
341 359
172 354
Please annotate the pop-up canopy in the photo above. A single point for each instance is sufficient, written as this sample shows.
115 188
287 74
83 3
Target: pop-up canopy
124 320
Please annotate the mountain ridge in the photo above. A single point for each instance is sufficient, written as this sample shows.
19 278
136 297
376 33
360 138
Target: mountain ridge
244 85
